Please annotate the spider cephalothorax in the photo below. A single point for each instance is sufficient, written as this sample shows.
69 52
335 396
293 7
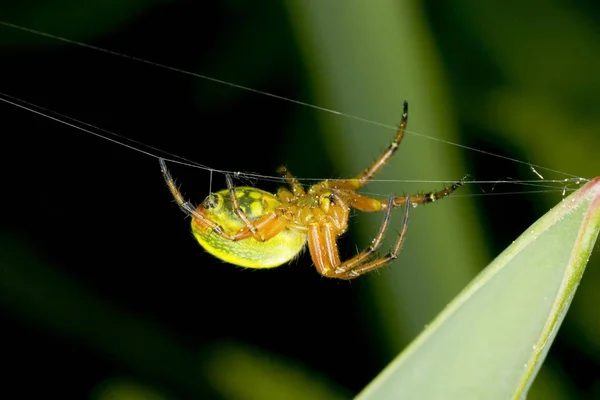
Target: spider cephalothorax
252 228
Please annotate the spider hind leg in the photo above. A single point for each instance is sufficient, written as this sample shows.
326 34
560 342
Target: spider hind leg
353 270
261 229
187 207
324 250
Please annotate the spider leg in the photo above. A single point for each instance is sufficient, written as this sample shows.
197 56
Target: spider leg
361 257
370 172
430 197
323 248
364 177
187 207
355 270
262 229
242 215
266 226
325 255
366 203
291 180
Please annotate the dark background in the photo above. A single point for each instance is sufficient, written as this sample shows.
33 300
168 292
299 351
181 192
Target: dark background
103 287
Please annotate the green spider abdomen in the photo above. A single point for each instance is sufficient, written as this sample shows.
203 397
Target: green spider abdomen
249 253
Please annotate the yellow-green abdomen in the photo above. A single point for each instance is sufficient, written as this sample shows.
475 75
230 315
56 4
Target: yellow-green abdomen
249 253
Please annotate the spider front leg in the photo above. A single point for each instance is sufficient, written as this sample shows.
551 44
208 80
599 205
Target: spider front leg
364 177
376 166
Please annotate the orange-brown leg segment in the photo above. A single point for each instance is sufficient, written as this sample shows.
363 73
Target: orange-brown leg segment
263 229
366 203
291 180
323 248
266 226
324 251
240 213
364 177
377 263
430 197
363 256
374 168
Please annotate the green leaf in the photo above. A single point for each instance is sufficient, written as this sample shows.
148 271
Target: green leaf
491 340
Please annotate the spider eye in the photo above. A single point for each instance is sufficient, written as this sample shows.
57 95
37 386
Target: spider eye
211 201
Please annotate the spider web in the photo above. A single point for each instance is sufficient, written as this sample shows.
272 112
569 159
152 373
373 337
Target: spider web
539 185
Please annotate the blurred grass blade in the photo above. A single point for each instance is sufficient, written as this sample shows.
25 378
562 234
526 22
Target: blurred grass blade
493 337
240 372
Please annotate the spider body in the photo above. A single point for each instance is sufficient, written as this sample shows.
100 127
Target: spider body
249 253
256 229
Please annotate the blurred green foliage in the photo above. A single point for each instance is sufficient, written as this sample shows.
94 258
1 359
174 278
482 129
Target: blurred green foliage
98 270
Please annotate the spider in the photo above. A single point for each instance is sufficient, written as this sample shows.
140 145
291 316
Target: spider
253 228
